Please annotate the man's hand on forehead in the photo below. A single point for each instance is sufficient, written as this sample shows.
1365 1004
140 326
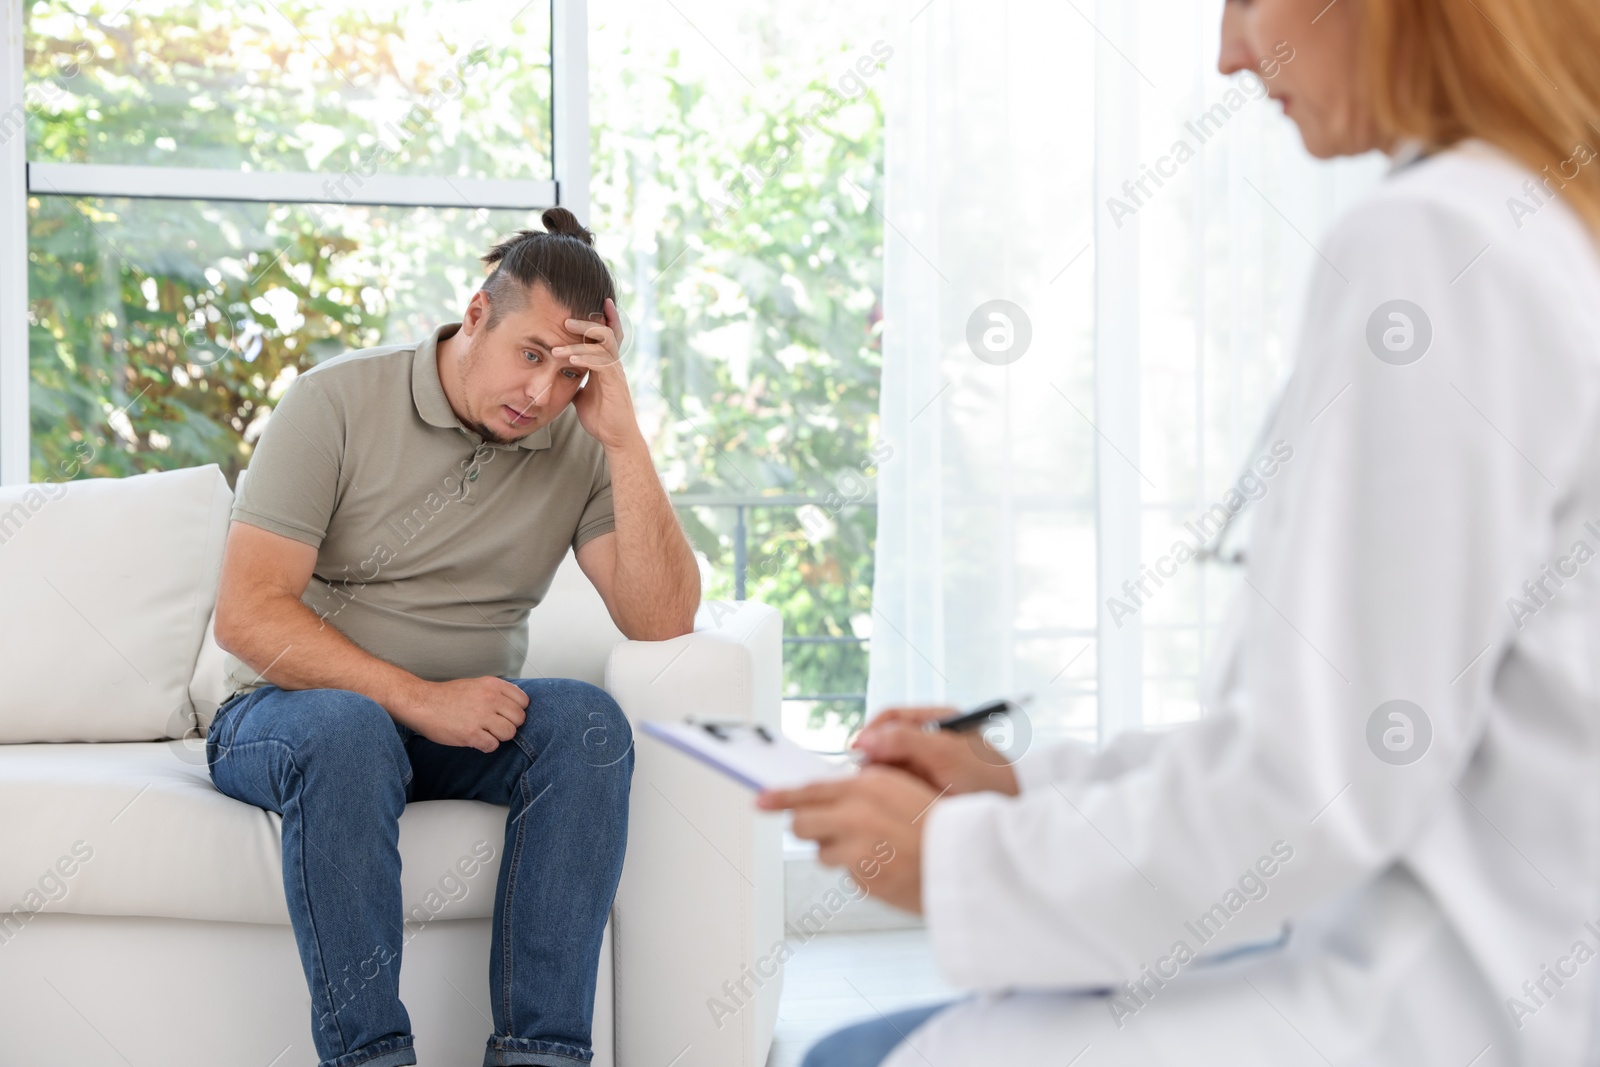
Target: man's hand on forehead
598 340
604 406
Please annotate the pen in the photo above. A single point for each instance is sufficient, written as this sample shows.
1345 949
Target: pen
967 720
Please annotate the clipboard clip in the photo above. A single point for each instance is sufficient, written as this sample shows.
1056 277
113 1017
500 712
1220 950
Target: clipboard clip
719 729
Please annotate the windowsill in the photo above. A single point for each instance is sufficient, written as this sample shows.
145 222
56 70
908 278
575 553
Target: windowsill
795 848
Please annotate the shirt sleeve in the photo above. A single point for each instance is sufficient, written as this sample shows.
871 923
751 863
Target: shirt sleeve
1377 571
292 485
1075 761
598 516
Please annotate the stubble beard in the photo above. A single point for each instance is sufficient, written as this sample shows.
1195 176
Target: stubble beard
468 362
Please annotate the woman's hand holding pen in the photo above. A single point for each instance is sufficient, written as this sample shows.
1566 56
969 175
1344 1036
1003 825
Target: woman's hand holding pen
950 761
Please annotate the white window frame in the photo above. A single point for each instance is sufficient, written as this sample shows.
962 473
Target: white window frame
569 116
1118 493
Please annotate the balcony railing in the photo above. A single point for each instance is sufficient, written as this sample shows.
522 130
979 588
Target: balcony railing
741 507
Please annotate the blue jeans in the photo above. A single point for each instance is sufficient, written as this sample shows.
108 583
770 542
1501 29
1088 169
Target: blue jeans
868 1044
340 771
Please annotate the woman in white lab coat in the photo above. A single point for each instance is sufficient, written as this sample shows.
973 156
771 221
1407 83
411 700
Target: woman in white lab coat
1382 843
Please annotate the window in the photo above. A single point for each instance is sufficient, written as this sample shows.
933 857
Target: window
220 194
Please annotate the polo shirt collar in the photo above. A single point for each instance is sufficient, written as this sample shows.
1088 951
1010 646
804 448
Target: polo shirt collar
434 407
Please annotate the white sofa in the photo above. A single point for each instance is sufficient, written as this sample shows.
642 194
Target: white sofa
142 916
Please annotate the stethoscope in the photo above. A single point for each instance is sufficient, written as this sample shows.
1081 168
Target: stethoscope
1211 551
1408 153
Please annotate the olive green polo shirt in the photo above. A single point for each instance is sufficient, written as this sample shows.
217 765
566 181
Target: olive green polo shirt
432 544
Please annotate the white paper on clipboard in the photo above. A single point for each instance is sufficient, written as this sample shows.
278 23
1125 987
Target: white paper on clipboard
756 758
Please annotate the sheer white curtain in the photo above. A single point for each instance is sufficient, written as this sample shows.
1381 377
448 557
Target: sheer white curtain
1150 225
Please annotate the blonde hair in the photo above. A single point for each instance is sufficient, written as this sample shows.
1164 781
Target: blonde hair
1523 75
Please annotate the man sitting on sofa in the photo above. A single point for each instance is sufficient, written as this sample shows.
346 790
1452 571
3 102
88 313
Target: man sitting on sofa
404 510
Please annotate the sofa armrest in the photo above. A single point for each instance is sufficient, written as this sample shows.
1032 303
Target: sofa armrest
698 920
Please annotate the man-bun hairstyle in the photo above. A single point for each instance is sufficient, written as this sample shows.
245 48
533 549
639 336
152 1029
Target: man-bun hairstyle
561 257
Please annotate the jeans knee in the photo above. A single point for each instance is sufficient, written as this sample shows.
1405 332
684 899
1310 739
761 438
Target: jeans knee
350 730
831 1051
580 719
861 1045
605 737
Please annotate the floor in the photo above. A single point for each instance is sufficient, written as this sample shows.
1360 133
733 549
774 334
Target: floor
833 980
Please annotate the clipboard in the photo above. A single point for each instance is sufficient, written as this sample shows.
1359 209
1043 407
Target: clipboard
754 756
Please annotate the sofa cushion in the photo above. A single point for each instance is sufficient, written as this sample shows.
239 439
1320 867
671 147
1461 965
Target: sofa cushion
138 829
109 584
